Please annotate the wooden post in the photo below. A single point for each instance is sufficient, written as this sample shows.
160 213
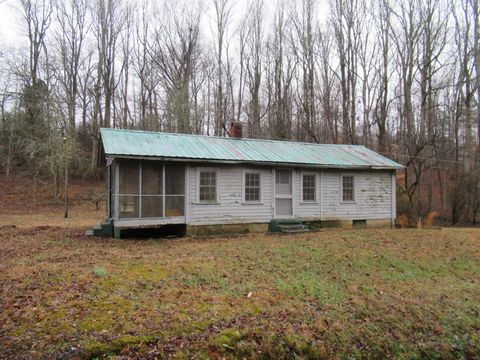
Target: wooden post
65 155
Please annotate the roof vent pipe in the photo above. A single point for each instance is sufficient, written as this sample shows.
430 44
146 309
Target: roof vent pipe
235 129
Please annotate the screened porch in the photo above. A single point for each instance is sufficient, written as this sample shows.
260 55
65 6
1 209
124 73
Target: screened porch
150 191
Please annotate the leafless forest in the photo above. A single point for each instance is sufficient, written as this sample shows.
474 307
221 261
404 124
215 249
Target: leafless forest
399 76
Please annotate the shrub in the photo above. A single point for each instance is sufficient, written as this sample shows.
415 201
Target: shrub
430 219
403 220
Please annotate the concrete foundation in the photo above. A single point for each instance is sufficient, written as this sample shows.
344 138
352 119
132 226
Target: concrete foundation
224 229
348 224
313 224
380 223
374 223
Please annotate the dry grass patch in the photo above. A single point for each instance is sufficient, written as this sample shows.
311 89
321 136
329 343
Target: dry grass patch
335 293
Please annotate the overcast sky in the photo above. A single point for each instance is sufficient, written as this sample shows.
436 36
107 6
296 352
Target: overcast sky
11 22
10 33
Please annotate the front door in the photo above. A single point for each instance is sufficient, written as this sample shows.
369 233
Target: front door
283 194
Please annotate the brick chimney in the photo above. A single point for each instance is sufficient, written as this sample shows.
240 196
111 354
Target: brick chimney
235 129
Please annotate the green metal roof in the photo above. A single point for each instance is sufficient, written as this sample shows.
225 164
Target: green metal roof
146 144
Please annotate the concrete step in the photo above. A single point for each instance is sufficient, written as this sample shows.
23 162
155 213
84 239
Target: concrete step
295 231
89 232
107 229
291 226
280 225
104 229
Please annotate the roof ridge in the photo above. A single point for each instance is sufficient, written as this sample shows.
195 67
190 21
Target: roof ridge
232 139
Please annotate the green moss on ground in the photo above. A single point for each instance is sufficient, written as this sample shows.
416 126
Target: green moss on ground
332 294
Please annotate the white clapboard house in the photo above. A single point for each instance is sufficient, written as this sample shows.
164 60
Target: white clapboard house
207 184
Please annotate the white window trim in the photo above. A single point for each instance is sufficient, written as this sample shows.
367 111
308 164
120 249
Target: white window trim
315 201
244 173
354 189
207 169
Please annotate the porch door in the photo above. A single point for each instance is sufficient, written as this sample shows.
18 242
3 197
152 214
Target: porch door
283 194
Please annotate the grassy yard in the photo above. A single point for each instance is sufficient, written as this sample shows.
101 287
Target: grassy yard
334 293
331 294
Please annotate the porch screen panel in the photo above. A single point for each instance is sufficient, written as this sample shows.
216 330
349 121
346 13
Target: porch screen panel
152 189
128 189
174 189
113 189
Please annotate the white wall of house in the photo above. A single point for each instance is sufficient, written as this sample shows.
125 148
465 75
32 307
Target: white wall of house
374 196
230 207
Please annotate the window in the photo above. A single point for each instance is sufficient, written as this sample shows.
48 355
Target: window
252 187
348 190
208 186
308 187
283 182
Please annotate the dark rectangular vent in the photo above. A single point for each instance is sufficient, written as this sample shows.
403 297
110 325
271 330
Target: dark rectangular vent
359 223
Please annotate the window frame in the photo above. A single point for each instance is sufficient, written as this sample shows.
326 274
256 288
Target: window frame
244 187
315 182
207 202
342 200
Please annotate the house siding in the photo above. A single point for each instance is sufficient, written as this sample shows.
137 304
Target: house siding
307 209
373 196
230 208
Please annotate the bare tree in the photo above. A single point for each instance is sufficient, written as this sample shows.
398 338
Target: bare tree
72 20
108 17
383 24
252 31
303 45
174 53
281 70
434 20
328 105
126 60
346 20
222 15
37 15
476 51
402 76
147 116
